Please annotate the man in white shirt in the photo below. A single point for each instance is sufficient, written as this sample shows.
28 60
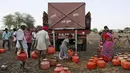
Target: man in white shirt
33 39
14 38
42 43
21 41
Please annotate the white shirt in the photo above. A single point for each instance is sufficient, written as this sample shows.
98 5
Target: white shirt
20 36
34 35
41 38
14 34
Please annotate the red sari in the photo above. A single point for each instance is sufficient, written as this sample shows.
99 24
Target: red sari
107 51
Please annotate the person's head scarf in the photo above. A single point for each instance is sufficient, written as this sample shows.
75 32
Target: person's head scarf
45 28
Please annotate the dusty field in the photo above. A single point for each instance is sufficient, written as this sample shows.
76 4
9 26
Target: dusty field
9 58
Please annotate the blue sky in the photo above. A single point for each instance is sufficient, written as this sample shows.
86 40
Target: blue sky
113 13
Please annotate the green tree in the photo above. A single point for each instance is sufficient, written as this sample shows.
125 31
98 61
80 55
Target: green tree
17 19
29 20
8 20
127 28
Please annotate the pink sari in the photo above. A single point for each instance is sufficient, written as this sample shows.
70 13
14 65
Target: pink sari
28 36
107 51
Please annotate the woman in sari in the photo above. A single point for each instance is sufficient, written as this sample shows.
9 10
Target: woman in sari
107 51
64 49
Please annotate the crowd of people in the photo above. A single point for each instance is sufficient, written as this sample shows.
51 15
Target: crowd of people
26 39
